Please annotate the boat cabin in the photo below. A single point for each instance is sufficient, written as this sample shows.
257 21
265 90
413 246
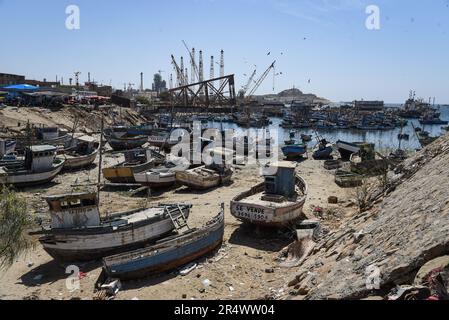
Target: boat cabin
76 210
280 179
83 144
39 158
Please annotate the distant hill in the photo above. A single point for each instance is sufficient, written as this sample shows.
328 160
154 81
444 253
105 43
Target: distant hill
287 96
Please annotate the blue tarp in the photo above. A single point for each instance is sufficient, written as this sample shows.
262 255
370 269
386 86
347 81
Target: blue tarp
20 87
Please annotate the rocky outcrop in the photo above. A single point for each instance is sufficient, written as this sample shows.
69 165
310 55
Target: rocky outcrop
289 95
386 245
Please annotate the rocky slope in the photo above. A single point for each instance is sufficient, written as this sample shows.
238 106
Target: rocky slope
402 231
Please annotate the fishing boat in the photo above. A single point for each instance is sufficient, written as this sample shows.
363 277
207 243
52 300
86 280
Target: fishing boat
81 153
205 177
168 254
346 149
39 166
432 118
277 202
162 175
52 136
126 142
78 232
135 161
294 151
323 150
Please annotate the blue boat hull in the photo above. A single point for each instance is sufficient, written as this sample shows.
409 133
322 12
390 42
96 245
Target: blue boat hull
293 151
323 153
167 255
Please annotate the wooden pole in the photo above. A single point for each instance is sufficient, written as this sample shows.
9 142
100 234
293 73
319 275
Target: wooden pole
100 161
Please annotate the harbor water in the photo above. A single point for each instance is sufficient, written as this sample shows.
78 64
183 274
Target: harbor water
384 140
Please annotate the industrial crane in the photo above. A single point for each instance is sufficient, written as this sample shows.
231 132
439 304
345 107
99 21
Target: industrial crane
179 72
250 81
192 60
260 80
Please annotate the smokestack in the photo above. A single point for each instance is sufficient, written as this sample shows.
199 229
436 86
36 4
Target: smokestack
141 82
88 77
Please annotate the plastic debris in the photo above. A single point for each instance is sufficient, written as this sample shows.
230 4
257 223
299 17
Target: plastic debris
187 269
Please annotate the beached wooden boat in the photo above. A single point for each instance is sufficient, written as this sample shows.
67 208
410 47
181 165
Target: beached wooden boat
294 151
82 153
168 254
346 149
126 142
162 175
276 202
323 150
347 179
204 177
77 232
40 166
135 162
52 136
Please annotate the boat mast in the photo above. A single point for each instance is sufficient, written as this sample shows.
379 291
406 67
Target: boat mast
100 162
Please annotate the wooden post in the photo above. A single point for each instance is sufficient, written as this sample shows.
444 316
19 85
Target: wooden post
100 161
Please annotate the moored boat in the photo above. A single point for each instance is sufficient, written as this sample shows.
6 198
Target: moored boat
276 202
39 166
204 177
168 254
78 233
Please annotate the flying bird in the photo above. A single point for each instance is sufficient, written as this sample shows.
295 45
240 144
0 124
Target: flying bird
268 53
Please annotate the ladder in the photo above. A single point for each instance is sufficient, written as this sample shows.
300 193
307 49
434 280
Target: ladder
180 221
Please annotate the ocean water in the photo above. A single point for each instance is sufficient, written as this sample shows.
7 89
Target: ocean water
384 140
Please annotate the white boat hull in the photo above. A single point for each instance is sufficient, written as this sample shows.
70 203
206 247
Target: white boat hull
80 162
276 215
155 179
29 178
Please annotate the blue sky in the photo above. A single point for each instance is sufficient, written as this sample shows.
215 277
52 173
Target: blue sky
341 57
